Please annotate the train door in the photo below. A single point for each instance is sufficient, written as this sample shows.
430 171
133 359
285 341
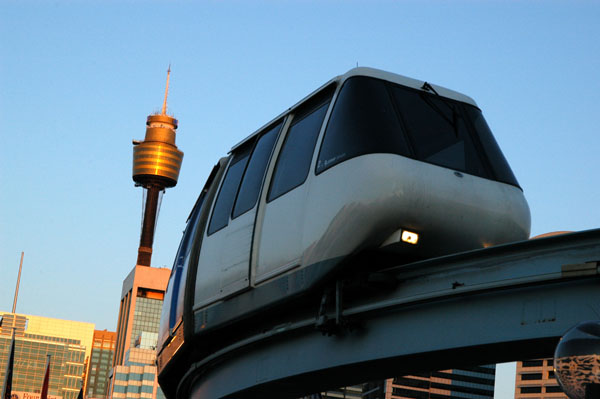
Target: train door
279 247
224 264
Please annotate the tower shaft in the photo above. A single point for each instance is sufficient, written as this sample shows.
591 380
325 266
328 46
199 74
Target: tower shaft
148 225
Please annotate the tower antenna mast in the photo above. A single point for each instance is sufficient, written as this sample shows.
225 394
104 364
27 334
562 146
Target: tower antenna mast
164 107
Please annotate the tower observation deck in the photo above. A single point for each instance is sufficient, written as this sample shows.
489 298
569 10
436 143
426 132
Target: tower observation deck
156 165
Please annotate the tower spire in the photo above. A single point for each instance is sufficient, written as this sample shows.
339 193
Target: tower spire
164 107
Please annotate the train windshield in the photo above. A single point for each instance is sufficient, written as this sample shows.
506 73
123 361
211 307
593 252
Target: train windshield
374 116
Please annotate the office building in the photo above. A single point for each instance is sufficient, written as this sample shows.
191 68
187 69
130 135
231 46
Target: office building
134 372
68 342
535 379
100 364
475 382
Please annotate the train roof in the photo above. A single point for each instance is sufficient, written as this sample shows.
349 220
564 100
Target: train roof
374 73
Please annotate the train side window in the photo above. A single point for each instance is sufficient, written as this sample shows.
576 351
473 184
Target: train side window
228 190
294 159
438 131
363 121
253 178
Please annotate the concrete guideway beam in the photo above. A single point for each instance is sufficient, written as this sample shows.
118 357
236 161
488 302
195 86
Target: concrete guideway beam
505 303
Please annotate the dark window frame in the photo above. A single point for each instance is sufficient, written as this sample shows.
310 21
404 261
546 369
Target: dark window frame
458 107
531 376
532 363
322 99
488 170
280 123
533 389
318 170
511 179
246 151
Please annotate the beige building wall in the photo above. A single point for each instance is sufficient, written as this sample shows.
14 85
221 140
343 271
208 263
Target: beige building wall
68 342
134 382
49 327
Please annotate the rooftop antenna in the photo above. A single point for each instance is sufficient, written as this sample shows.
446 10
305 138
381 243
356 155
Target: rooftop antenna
18 282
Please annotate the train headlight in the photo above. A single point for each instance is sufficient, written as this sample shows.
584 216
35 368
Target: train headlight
410 237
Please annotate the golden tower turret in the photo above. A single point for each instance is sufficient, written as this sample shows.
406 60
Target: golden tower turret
156 165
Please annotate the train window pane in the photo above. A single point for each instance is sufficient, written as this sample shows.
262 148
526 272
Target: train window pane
255 172
294 160
228 190
363 121
438 131
499 165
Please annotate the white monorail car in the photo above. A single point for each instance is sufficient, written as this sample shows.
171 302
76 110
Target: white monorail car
370 163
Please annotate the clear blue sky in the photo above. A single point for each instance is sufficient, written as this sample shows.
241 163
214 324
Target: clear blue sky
78 78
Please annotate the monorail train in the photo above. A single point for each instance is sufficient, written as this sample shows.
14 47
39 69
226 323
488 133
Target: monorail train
370 168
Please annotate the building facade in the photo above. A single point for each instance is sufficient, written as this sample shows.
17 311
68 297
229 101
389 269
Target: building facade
535 379
100 364
134 372
475 382
68 342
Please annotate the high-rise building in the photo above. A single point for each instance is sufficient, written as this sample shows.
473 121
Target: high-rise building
141 305
68 342
134 371
475 382
100 364
535 379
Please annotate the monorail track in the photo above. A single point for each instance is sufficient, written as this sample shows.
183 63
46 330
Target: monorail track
498 304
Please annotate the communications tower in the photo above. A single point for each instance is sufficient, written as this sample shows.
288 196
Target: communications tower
156 165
